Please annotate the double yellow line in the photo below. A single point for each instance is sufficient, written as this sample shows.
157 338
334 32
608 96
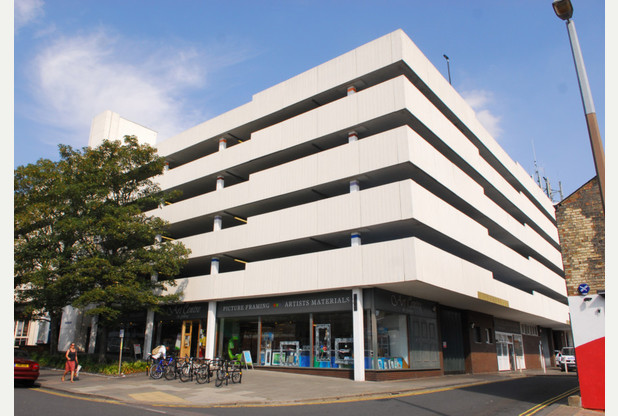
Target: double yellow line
548 402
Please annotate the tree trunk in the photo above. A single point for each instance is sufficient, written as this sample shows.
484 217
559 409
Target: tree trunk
54 328
101 342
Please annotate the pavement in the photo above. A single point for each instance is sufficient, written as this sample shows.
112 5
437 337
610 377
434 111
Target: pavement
271 388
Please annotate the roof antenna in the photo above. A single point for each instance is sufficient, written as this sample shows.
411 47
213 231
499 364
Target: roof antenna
536 167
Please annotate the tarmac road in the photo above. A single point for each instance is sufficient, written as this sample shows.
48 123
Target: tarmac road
272 393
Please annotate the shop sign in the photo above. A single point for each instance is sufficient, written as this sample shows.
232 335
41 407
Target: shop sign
396 302
185 311
312 302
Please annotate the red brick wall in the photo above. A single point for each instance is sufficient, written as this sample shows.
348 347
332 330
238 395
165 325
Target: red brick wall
482 357
581 227
531 352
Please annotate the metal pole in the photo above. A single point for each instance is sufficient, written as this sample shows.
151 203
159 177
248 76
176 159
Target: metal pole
448 67
591 118
120 356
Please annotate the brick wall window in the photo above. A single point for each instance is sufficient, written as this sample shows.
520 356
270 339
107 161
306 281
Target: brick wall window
477 334
489 339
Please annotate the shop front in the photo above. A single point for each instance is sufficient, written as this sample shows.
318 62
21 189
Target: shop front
310 331
315 331
182 329
402 332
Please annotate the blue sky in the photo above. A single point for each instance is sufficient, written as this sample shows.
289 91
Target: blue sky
170 65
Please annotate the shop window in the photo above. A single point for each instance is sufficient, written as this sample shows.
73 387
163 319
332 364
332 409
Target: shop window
238 335
333 340
285 341
392 340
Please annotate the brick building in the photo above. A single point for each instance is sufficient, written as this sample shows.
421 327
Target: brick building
581 226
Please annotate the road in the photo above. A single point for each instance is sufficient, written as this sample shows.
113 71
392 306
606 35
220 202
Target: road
513 397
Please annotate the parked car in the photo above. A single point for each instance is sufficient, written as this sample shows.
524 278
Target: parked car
26 370
567 359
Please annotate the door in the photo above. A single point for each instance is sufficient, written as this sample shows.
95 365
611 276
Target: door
186 338
452 342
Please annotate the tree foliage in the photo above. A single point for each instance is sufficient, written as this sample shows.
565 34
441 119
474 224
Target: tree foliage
82 237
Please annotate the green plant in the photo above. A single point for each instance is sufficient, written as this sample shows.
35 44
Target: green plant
90 363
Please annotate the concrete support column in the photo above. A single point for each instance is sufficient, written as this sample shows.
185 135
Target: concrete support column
148 332
351 90
359 334
214 265
92 344
220 182
222 144
211 327
355 239
352 136
218 223
150 317
354 185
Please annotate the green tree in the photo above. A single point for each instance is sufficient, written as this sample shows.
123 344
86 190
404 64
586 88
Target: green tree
82 236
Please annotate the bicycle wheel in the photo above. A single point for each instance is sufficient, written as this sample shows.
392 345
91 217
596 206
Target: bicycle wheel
170 371
221 376
201 374
185 372
237 375
156 371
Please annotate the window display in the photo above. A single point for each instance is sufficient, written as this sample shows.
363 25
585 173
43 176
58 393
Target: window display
281 335
322 344
290 353
344 351
392 340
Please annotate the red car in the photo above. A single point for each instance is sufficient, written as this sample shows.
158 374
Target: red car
26 370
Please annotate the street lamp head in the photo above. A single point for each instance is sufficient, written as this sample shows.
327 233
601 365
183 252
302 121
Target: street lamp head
445 57
563 9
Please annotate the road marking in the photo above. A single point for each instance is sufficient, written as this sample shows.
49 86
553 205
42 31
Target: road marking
300 403
548 402
158 397
98 400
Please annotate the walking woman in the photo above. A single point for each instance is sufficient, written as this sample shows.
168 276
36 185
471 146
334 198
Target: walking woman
71 363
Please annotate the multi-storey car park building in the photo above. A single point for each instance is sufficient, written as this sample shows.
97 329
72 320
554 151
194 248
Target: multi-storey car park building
357 220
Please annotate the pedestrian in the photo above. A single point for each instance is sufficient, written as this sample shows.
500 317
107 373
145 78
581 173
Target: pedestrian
159 352
71 363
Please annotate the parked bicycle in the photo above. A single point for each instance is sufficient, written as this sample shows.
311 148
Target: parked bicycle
228 370
159 367
173 369
194 367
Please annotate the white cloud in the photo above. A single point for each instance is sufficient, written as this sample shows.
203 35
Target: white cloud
479 100
76 78
27 11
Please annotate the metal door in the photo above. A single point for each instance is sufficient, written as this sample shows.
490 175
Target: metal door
452 341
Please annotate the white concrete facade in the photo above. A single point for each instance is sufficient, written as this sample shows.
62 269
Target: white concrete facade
111 126
443 213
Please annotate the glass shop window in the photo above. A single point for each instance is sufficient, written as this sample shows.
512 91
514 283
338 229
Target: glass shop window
392 340
285 341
